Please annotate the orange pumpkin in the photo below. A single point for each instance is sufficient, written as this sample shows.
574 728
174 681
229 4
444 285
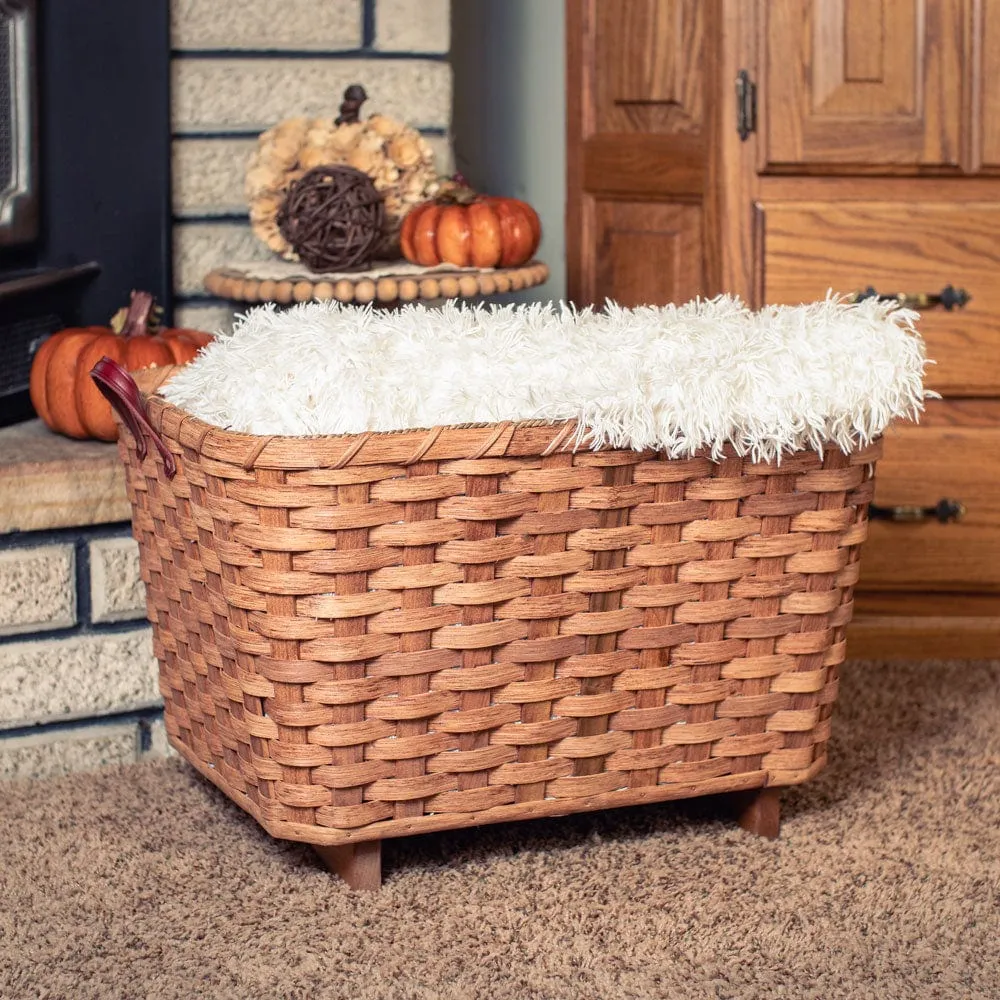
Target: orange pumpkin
470 230
61 389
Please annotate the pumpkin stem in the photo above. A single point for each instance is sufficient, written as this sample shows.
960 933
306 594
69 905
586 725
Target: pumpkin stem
354 97
457 191
137 318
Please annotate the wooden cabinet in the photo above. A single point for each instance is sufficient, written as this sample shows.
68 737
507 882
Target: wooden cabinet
863 151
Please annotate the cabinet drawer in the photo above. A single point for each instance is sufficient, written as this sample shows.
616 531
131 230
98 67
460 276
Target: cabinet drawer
921 465
810 247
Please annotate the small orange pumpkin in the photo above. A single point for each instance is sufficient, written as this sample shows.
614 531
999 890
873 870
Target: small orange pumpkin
470 230
60 386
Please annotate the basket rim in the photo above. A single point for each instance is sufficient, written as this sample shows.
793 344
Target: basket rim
444 442
151 380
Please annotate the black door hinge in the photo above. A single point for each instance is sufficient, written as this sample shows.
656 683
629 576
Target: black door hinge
746 105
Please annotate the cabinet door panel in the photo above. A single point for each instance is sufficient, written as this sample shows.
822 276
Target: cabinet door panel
989 84
638 115
647 65
862 83
648 254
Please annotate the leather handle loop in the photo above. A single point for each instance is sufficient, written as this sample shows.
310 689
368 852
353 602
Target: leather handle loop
120 390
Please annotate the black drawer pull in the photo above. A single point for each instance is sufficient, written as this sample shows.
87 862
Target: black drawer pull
948 298
944 511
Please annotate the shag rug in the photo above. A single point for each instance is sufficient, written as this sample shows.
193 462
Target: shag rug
678 379
885 884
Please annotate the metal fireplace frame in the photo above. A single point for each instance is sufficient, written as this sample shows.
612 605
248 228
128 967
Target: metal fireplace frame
19 199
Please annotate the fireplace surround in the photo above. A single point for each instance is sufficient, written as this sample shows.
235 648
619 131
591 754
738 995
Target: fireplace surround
78 696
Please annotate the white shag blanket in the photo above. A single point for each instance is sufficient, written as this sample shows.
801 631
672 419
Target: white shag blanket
675 378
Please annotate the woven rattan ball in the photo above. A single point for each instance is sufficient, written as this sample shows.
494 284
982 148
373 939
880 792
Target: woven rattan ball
333 218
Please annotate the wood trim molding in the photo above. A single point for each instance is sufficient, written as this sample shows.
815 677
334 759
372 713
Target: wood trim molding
579 124
874 637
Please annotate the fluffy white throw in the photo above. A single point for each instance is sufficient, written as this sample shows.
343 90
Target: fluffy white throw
675 378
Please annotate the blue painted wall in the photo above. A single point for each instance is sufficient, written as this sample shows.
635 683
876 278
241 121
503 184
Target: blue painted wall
509 116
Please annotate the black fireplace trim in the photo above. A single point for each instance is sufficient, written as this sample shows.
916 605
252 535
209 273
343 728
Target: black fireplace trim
44 279
19 205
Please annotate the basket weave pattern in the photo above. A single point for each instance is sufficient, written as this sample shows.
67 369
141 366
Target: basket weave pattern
376 635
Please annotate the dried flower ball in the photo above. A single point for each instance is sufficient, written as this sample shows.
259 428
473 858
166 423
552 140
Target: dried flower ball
396 157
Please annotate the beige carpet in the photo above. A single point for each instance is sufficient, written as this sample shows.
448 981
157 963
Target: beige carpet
885 884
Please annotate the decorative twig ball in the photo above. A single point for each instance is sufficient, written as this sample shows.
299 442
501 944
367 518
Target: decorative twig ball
395 156
332 218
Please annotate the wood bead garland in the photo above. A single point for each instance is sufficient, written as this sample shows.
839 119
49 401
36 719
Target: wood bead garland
333 218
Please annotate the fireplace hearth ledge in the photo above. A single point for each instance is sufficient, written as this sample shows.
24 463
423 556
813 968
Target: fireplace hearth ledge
48 481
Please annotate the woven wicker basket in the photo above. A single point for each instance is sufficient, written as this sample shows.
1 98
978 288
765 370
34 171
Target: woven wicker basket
372 636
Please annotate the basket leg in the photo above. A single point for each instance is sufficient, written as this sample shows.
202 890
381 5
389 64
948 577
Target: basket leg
759 811
359 865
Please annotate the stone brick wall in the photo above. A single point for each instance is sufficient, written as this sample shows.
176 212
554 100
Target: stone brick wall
78 682
241 65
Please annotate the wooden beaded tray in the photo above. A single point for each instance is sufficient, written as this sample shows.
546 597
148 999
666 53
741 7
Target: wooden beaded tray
396 281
